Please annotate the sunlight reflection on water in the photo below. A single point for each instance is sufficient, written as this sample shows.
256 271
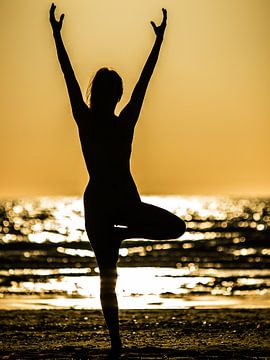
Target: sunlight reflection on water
160 288
223 259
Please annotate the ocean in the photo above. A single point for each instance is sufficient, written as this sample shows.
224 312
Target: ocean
222 261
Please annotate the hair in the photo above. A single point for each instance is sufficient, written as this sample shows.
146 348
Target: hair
105 84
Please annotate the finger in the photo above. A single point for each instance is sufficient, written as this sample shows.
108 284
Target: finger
154 25
52 9
62 18
164 11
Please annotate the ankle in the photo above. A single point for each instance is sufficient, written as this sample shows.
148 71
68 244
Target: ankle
116 342
116 349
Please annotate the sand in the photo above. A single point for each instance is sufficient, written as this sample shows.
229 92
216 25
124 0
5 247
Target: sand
147 334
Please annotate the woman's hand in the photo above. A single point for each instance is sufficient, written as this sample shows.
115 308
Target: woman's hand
56 25
159 30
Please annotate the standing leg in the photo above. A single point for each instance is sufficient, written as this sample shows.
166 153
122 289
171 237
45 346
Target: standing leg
108 298
106 248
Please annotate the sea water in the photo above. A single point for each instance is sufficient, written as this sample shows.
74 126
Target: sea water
223 259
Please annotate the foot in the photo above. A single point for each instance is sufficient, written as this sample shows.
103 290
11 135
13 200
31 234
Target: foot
116 350
115 353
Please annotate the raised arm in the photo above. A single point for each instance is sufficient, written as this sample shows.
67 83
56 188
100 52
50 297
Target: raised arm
77 104
133 108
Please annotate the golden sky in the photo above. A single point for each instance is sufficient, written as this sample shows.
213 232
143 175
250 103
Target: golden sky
205 125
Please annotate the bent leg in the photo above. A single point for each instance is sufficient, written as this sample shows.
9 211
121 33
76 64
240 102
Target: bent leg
151 222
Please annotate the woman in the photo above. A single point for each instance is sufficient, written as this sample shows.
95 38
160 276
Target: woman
113 208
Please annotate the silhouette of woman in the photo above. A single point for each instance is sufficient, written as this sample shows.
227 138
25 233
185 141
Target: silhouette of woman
113 208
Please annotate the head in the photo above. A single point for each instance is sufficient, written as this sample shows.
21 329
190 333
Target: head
105 90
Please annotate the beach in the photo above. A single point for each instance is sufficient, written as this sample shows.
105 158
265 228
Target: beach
147 334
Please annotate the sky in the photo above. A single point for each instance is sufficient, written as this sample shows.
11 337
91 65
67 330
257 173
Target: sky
205 124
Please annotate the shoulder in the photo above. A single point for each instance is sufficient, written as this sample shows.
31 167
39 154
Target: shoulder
127 116
84 117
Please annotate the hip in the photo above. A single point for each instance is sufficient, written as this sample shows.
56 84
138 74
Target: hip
109 196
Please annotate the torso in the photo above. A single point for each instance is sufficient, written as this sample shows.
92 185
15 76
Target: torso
106 145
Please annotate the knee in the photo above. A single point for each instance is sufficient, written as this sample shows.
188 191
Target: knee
108 280
107 274
179 228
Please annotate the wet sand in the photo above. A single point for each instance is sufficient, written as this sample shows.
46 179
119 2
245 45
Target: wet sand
147 334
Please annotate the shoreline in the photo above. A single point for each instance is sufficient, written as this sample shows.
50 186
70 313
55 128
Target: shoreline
146 334
136 302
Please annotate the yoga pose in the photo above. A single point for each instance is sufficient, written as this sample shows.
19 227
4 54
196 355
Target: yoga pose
112 204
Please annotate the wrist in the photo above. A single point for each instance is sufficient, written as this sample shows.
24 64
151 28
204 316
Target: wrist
56 32
159 38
